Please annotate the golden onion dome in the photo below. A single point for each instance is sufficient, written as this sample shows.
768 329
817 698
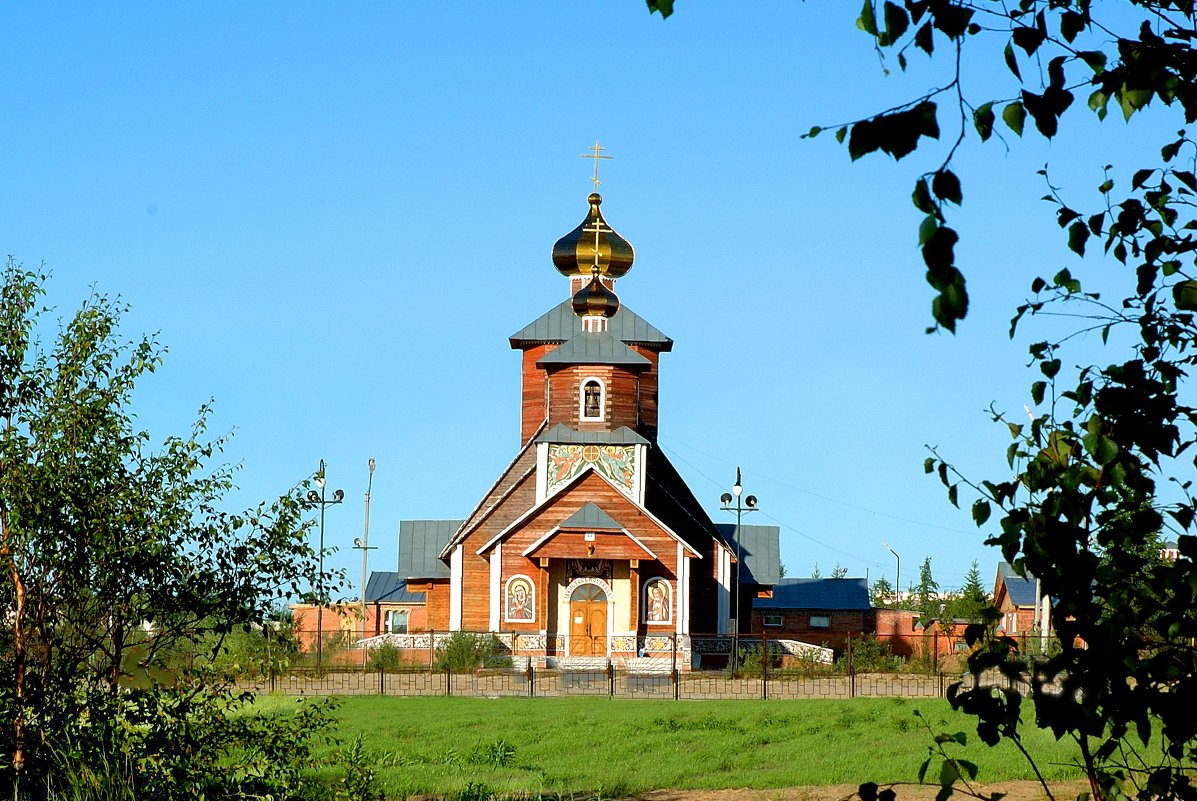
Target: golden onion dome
595 299
574 253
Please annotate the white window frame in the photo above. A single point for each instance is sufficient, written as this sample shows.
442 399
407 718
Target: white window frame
773 620
602 385
825 621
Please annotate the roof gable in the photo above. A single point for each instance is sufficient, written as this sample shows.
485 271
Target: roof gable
1021 591
758 545
547 504
560 323
590 516
420 544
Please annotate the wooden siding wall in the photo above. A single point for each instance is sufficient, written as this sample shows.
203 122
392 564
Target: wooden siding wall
533 385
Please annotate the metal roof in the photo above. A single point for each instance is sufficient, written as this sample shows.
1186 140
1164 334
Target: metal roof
420 543
843 594
591 517
562 433
758 545
560 324
390 588
594 348
1020 590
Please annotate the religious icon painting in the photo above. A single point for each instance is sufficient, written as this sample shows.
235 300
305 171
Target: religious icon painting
520 595
658 596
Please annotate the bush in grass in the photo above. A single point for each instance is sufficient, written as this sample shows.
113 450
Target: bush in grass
464 652
388 657
869 655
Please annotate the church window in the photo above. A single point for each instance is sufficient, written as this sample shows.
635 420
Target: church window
592 400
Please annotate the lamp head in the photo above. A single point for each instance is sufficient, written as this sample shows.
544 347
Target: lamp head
313 496
737 489
750 501
320 481
371 465
338 496
357 542
725 498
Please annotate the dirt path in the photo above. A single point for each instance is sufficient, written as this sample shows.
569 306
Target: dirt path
1015 791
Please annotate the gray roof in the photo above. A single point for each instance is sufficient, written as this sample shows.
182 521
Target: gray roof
390 588
560 324
564 434
1021 590
420 543
591 517
594 348
843 594
759 547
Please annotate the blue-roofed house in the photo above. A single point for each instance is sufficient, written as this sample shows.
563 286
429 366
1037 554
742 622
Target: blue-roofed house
824 611
1016 598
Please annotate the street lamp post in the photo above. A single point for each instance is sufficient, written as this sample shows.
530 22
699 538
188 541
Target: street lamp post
363 544
897 573
319 498
743 504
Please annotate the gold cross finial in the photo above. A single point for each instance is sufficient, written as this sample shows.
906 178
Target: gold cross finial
596 154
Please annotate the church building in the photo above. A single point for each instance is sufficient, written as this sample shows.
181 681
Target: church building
589 544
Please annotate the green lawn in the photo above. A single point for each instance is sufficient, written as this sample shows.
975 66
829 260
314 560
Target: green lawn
568 746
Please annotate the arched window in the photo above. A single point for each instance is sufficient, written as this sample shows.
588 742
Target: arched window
593 399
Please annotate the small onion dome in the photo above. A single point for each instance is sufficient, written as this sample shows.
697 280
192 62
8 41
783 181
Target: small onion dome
595 300
574 253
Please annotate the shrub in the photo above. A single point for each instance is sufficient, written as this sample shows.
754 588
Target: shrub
388 657
464 652
869 655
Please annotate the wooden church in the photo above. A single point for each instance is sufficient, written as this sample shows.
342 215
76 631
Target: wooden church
589 544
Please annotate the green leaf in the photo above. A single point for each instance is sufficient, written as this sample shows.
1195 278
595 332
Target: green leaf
952 496
1014 115
1038 389
1140 177
1011 61
1078 234
813 132
946 186
981 512
896 23
840 134
663 7
1132 100
1028 39
1049 367
867 21
924 39
983 120
1095 59
1098 102
1106 186
922 200
1184 295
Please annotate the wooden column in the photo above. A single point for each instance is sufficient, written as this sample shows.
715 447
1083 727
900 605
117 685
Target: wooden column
634 587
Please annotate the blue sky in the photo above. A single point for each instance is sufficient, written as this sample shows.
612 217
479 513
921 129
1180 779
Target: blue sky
335 215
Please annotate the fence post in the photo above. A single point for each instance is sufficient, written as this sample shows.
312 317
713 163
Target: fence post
935 653
531 679
273 678
764 664
431 648
851 671
610 679
448 681
673 674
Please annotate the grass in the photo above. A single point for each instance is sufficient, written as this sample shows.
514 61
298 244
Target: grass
613 748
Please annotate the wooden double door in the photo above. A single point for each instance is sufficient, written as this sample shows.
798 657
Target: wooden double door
588 621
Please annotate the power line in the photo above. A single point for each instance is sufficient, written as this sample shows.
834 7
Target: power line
805 491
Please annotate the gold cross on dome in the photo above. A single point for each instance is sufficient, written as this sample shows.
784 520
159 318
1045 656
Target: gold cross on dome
596 154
